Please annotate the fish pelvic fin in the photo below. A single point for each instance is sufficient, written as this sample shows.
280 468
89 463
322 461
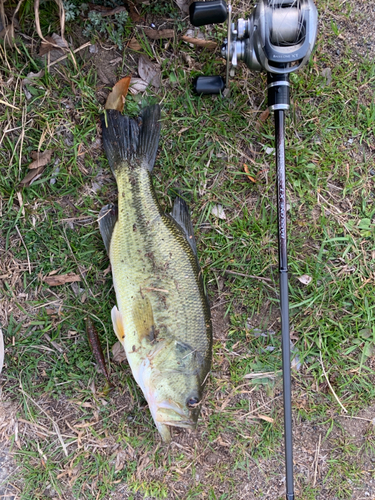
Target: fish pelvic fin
129 141
118 324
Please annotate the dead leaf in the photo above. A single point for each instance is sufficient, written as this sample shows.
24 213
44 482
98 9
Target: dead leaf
218 211
188 59
246 168
118 352
51 312
32 77
262 118
54 42
116 98
158 34
305 279
32 176
267 419
1 350
149 71
61 279
137 85
207 44
183 5
133 13
134 45
40 159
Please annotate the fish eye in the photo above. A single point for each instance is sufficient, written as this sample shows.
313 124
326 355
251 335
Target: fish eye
192 402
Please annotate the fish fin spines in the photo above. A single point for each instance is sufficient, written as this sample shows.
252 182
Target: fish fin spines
118 324
149 136
181 214
131 140
107 219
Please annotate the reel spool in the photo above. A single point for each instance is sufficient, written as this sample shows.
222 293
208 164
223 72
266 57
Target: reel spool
278 38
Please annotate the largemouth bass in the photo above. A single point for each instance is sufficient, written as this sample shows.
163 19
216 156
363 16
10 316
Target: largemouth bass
162 316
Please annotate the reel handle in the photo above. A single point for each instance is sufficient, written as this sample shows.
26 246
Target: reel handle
213 12
202 13
205 85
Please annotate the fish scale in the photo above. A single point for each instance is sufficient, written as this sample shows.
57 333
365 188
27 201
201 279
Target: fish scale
153 256
162 316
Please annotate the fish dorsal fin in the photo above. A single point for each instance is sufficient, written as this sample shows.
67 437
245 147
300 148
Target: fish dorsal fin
180 213
118 324
143 318
107 220
149 136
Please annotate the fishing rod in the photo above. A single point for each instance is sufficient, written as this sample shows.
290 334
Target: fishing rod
278 38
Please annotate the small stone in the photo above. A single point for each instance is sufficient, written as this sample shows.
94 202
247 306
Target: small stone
327 74
218 211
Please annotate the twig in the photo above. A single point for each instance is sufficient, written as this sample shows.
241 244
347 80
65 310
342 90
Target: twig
262 375
33 424
328 203
56 427
75 260
260 278
10 105
328 382
27 253
73 51
22 136
261 406
55 344
359 418
316 460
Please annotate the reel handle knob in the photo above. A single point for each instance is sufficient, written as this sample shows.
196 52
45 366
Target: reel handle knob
203 85
213 12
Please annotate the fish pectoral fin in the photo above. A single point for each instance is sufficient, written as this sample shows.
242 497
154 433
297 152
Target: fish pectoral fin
143 318
118 324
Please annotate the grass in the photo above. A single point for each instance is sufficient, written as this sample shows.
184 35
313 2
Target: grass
111 445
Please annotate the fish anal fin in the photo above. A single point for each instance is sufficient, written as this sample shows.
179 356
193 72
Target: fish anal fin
144 319
118 324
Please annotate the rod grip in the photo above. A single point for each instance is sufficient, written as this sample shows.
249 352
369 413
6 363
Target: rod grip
213 12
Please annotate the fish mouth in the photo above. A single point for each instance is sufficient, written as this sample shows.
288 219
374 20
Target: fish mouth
171 413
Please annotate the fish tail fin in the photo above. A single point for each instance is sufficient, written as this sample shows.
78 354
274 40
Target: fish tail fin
129 141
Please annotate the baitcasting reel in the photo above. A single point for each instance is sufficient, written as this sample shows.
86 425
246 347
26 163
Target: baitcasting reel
278 37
